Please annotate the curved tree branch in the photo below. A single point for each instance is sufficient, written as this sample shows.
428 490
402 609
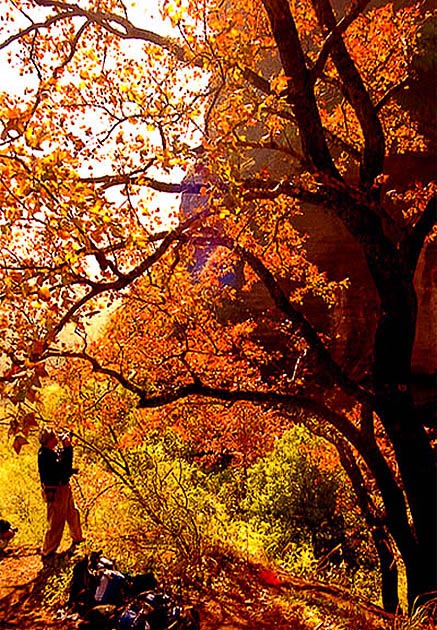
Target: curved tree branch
365 220
125 280
336 31
300 93
255 79
357 95
98 367
138 177
35 26
392 493
198 389
330 367
117 25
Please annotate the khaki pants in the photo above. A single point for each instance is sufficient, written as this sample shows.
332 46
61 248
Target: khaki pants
61 510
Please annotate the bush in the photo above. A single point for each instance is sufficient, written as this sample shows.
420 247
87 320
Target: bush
299 501
145 505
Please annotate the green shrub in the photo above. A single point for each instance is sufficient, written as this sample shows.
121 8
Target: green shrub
300 503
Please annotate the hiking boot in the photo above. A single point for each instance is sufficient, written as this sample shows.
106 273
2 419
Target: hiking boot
76 543
74 546
48 559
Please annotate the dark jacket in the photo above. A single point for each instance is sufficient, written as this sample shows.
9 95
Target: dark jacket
55 467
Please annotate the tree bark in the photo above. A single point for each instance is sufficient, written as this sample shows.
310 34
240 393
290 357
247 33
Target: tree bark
389 573
375 523
414 455
416 464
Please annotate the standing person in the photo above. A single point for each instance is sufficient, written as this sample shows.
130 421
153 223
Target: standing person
55 469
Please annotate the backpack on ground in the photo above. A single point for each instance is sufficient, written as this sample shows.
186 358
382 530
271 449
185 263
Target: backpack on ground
83 585
151 610
133 617
95 582
110 587
109 600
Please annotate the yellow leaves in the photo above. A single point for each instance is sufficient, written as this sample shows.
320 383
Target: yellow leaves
174 10
35 136
71 257
7 282
236 74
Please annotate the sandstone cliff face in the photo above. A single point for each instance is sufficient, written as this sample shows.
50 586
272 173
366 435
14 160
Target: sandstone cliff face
351 323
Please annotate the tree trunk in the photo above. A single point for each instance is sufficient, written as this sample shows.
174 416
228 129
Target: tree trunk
389 571
392 381
387 564
417 468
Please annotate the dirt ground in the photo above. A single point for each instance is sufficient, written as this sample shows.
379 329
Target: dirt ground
23 578
249 598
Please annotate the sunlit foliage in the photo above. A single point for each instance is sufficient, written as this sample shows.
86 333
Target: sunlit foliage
160 191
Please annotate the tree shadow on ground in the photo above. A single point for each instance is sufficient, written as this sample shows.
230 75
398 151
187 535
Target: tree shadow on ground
254 597
244 602
27 579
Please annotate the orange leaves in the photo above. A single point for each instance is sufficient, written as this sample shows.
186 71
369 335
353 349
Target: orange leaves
216 434
28 422
411 202
112 117
14 120
18 443
22 421
44 293
380 44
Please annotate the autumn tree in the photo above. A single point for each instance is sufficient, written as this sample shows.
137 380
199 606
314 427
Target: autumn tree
170 173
